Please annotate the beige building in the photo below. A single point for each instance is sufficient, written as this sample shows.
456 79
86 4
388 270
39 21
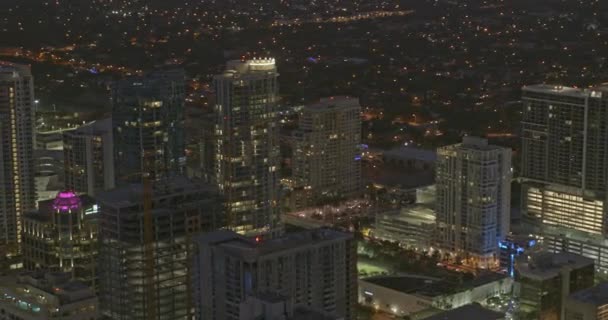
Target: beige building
588 304
313 269
326 152
42 296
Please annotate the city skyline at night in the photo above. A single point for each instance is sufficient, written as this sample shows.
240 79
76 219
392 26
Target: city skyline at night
296 159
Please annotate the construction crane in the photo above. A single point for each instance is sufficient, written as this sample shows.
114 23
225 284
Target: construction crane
149 249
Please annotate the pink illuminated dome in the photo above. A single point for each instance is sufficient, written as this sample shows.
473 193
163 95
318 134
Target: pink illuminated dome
66 201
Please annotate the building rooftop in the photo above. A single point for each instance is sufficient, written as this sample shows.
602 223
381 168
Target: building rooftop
546 265
55 284
410 153
410 284
470 311
415 214
241 245
429 286
330 103
597 296
47 207
132 194
556 89
10 70
302 313
244 69
93 128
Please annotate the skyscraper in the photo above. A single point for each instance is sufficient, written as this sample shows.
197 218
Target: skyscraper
247 150
17 189
147 117
150 280
89 158
473 199
314 268
563 171
326 160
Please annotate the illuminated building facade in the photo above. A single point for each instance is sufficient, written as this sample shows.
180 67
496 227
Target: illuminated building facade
314 269
412 227
62 237
327 155
89 158
17 188
247 155
473 183
46 296
148 119
180 209
564 174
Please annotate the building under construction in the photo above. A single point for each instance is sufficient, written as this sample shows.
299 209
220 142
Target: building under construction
145 241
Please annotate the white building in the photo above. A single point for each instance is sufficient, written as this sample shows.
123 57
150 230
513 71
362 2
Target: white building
407 295
412 227
473 184
247 145
327 155
45 296
313 269
89 158
17 187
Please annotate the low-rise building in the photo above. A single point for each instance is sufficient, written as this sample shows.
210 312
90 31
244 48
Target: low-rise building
544 281
588 304
411 158
61 236
470 311
42 296
411 227
404 295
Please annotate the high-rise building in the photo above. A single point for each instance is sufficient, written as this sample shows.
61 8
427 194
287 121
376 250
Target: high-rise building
17 189
314 269
46 296
89 158
147 117
564 151
544 280
145 263
473 199
563 170
588 304
247 146
326 155
61 236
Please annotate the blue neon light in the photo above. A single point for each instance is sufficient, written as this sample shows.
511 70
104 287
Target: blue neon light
512 268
